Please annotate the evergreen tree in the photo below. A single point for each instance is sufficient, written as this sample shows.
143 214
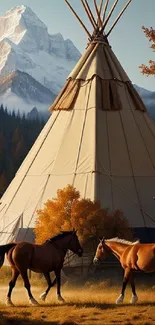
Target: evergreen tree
17 135
3 182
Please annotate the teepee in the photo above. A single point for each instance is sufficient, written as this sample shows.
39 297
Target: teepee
99 138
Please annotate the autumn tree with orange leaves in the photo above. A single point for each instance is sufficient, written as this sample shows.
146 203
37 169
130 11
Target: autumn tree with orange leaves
69 211
150 69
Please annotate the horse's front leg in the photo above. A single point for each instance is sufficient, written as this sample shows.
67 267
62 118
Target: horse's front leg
58 279
134 297
50 285
127 273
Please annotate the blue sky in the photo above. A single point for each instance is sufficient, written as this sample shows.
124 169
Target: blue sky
127 39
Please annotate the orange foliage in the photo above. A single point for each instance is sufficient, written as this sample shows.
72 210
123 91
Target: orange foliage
69 211
149 70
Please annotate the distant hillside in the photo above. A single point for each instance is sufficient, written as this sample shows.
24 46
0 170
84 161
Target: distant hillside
148 98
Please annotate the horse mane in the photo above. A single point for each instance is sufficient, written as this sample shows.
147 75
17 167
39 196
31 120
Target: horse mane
123 241
62 234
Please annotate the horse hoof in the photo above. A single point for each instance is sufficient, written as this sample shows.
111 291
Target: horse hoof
60 299
9 302
134 299
43 296
120 299
33 302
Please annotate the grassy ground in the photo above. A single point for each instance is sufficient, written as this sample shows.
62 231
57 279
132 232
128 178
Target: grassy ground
89 304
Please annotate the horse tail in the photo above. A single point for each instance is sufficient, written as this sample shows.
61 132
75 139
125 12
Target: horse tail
4 249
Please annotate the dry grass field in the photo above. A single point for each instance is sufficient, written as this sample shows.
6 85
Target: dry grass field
88 304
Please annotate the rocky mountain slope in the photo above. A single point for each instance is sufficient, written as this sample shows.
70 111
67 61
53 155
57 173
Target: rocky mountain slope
29 53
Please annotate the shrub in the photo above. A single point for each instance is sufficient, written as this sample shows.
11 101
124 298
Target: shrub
69 211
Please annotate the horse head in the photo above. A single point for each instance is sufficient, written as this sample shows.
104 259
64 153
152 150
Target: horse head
74 244
101 251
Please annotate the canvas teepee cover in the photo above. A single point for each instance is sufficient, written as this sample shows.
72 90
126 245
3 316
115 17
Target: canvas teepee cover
99 138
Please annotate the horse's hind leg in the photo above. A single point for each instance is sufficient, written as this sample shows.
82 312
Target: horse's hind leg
28 287
50 285
15 274
134 297
127 273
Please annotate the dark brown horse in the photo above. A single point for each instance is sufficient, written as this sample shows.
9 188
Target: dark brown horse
43 258
132 256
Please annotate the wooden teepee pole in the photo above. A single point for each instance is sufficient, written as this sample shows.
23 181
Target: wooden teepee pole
109 15
100 10
100 6
99 21
119 16
78 18
105 9
86 2
88 14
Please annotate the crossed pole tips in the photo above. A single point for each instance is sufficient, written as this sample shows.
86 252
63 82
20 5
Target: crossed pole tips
102 18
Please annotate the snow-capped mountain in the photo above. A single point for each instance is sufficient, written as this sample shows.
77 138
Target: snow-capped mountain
21 90
27 47
34 64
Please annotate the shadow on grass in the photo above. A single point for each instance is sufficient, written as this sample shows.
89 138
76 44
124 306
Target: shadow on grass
82 304
6 320
24 316
90 305
79 304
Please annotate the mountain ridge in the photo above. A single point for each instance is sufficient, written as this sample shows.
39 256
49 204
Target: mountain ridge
26 46
38 63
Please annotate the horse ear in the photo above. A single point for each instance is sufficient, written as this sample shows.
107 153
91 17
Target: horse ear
102 239
74 230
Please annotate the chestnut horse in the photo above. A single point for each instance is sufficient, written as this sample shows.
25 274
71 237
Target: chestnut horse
132 256
43 258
